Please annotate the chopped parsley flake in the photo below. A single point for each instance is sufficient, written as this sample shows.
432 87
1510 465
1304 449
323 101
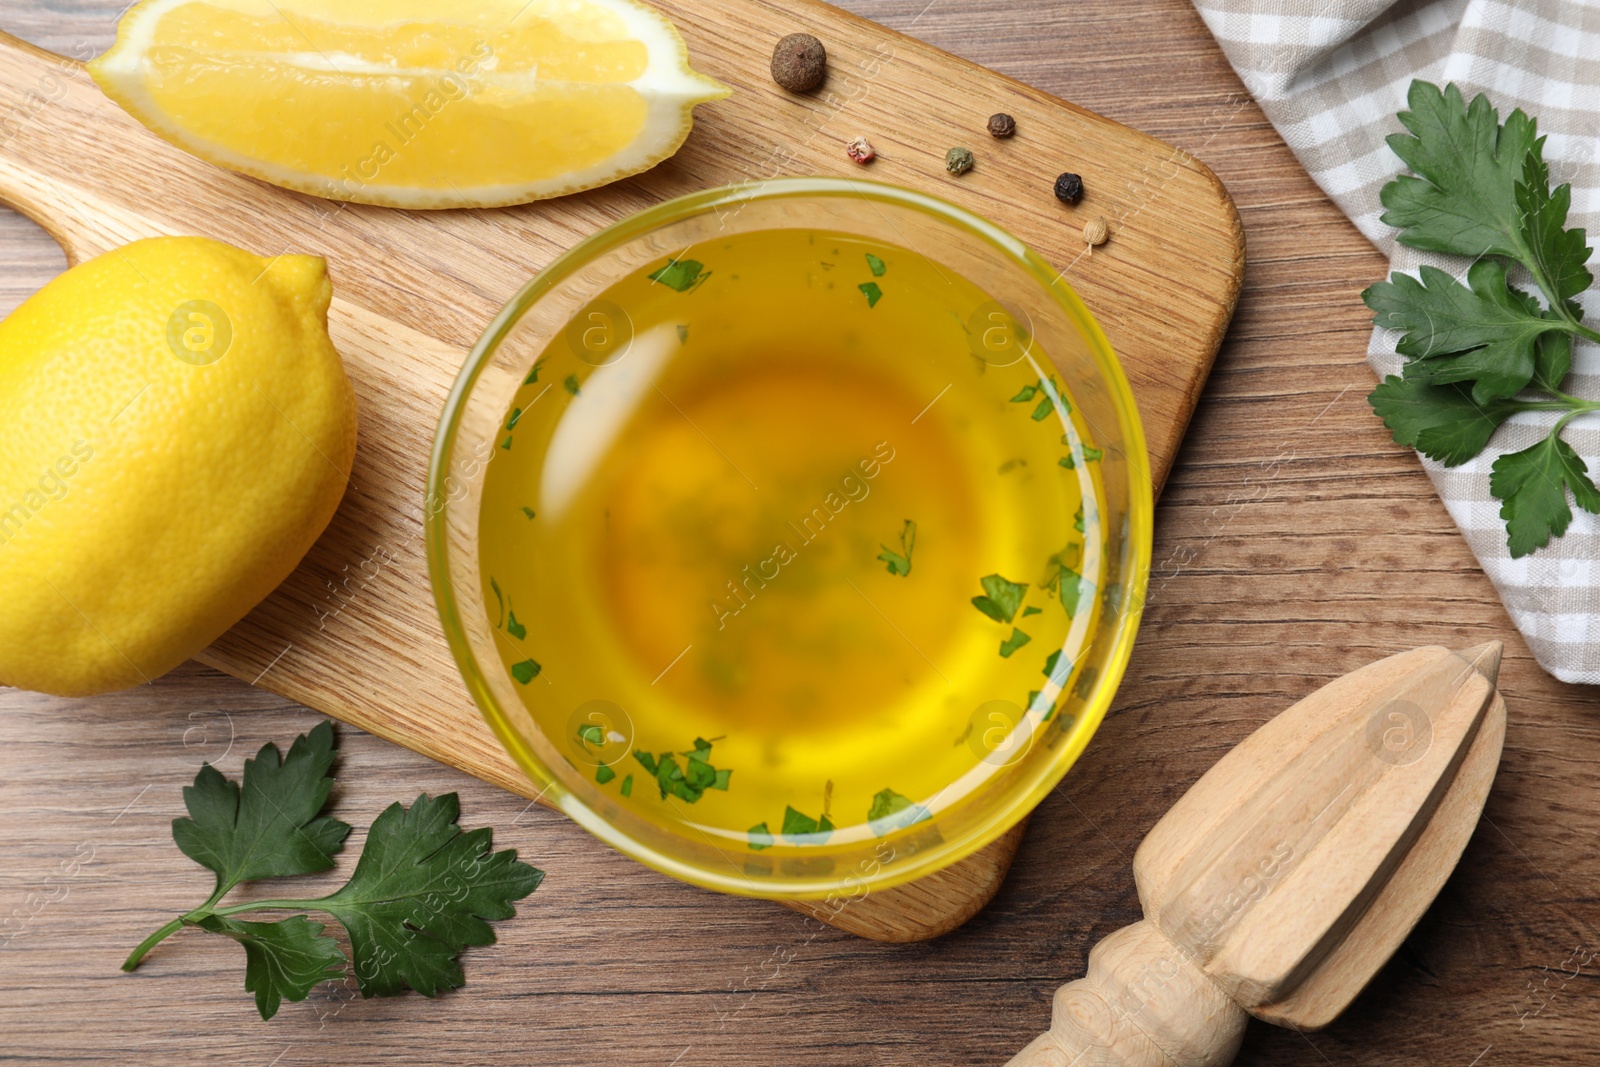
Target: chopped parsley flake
591 734
687 781
890 811
683 334
506 444
680 274
802 829
900 562
760 837
533 373
1025 394
1030 610
627 786
604 774
1002 598
876 265
1014 642
872 292
526 510
570 384
526 671
516 416
515 628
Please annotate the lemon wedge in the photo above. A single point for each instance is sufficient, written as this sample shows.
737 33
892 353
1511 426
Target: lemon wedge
411 103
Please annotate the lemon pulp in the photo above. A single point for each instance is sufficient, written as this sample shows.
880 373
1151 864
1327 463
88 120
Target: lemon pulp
406 104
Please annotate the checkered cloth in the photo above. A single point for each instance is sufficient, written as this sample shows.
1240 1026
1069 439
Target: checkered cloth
1331 74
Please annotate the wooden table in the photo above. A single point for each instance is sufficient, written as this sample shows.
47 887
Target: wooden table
1294 543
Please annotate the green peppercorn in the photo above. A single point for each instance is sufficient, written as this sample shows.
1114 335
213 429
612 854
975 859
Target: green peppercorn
958 160
1069 188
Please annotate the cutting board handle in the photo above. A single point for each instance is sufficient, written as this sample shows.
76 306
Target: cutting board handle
56 127
1143 1003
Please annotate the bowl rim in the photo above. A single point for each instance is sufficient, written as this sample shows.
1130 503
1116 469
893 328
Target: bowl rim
1138 556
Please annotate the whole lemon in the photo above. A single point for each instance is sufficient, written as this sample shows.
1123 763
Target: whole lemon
176 429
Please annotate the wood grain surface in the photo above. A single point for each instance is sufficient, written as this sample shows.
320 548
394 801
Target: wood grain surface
1294 543
354 632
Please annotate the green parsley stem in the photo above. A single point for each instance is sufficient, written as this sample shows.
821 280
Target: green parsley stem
150 942
271 905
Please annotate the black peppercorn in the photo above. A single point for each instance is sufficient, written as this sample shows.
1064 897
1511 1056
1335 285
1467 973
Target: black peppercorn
1002 125
799 63
1069 188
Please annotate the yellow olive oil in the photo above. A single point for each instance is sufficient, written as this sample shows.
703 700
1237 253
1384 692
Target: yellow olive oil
784 540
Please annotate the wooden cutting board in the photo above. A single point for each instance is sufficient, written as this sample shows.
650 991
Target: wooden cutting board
353 632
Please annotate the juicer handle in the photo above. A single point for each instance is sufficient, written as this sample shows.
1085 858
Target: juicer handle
1144 1003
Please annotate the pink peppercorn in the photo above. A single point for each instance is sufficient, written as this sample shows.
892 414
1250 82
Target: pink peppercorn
861 151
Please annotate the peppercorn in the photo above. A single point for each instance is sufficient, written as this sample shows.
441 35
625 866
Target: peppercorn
1096 231
861 151
1069 188
799 63
958 160
1002 125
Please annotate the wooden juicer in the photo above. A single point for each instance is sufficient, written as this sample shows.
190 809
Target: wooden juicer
1292 870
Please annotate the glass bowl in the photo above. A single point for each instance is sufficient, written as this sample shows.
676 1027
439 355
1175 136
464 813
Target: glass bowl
1033 313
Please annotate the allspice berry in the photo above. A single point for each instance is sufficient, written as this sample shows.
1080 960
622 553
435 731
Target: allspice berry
799 63
1002 125
958 160
1096 231
1069 188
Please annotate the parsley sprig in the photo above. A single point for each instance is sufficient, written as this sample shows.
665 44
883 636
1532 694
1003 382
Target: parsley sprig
1479 353
420 893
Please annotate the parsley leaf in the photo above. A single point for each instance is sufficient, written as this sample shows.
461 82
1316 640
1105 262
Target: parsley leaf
269 827
1025 394
680 274
526 671
1480 188
570 384
515 628
1002 597
1483 332
1014 642
1555 255
421 892
876 265
900 562
1533 484
1461 200
1443 422
760 837
284 960
872 292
